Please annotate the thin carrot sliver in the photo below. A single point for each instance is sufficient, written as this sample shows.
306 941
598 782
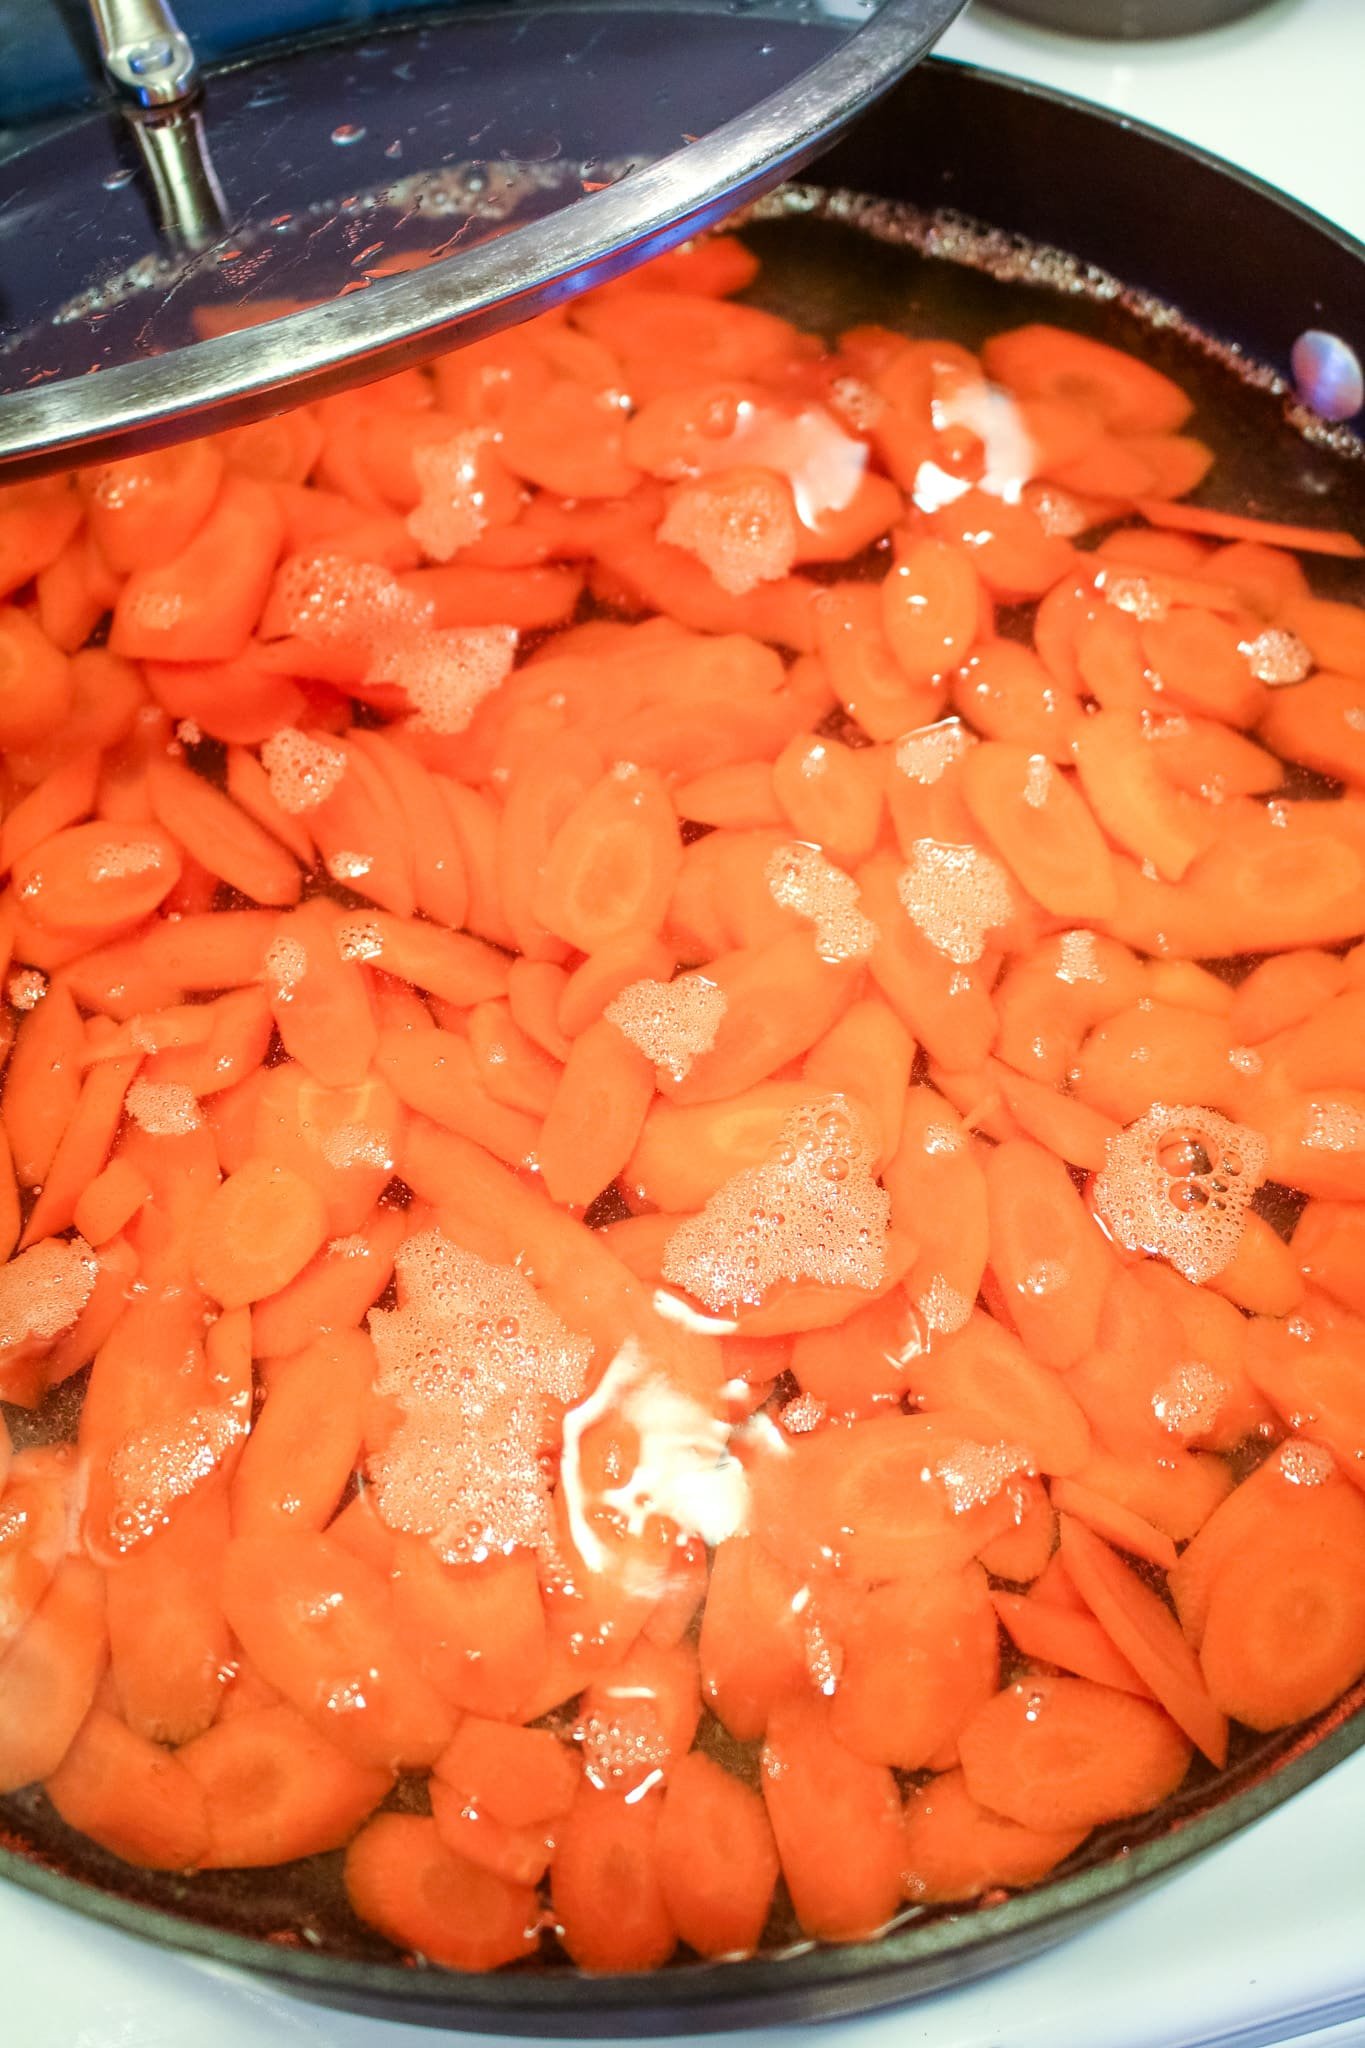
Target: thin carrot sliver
1312 540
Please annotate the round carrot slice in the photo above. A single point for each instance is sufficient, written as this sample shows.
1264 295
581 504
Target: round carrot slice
1065 1753
257 1231
93 877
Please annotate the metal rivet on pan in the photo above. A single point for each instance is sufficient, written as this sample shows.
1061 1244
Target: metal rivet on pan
1328 375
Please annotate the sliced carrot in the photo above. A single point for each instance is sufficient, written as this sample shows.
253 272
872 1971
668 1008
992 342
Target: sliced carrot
739 795
1315 722
1042 828
718 1862
1038 1223
222 838
946 1006
837 1823
479 1629
82 1149
145 509
983 1374
49 1678
955 1849
936 1184
1068 1637
455 966
36 522
869 680
752 1641
611 866
1007 544
1007 693
831 795
1046 361
131 1796
1023 1552
527 600
402 1880
438 875
1064 1752
319 998
1285 1632
1310 540
594 1120
169 1645
930 609
515 1775
64 798
435 1072
258 1230
94 877
606 1887
333 1291
1329 1245
1121 774
315 1622
638 1719
275 1790
867 1054
919 1657
1117 1524
36 684
1197 659
1075 1132
305 1442
35 1518
203 603
43 1083
1262 1276
1176 1492
548 787
779 999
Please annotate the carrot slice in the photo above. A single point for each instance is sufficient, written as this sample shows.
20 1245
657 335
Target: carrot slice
83 1147
212 830
837 1822
1038 1223
145 509
43 1083
36 685
1285 1632
752 1641
611 866
306 1440
1308 540
864 671
831 795
606 1887
1006 692
333 1291
203 603
931 604
595 1118
1043 361
1121 774
1068 1637
319 997
945 1006
779 999
49 1678
1113 1521
257 1231
1042 828
982 1373
956 1849
402 1880
637 1719
1013 552
36 522
435 1072
1056 1753
479 1629
275 1790
919 1657
867 1054
936 1179
516 1775
718 1862
315 1622
131 1796
1198 660
169 1645
63 798
92 878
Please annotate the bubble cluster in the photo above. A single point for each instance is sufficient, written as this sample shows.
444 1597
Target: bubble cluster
1304 1463
1333 1127
1277 657
451 511
153 1469
301 768
742 527
26 988
360 939
1189 1401
1037 781
163 1109
114 859
284 965
671 1022
189 732
331 597
447 674
473 1357
349 867
1078 958
1134 595
945 1308
1058 513
973 1473
926 754
42 1292
1177 1183
811 1211
802 1414
801 879
623 1747
347 1145
954 895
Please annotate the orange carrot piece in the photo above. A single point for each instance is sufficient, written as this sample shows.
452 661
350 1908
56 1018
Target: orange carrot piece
403 1881
36 685
83 1147
63 798
305 1442
435 1073
333 1291
611 866
1075 1132
779 999
1045 361
36 522
94 877
256 1233
1143 1629
241 702
983 1374
606 1884
131 1796
479 1629
1113 1521
865 673
349 1673
831 795
1309 540
1070 1638
1122 776
718 1861
145 509
203 604
837 1822
319 997
222 838
517 1775
931 603
867 1054
918 1659
275 1790
1036 1215
1064 1752
596 1115
43 1083
1006 692
49 1678
752 1642
1042 828
169 1645
1198 659
955 1849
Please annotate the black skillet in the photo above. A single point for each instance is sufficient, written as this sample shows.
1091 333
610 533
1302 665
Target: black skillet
1250 270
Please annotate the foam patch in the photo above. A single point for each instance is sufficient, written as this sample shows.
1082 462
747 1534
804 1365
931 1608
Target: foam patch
1177 1185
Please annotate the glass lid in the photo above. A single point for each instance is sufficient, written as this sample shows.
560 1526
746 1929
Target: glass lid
195 215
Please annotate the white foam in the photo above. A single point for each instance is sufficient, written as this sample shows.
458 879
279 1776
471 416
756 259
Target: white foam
451 512
349 867
360 939
473 1356
347 1145
954 895
26 988
925 755
802 880
743 529
43 1290
302 769
331 597
1333 1127
1132 593
1177 1184
284 965
1077 958
1276 657
118 858
811 1211
163 1109
943 1307
671 1022
447 674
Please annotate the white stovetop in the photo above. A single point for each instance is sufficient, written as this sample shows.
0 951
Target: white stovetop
1263 1943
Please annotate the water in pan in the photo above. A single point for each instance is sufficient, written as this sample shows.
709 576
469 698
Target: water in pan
830 263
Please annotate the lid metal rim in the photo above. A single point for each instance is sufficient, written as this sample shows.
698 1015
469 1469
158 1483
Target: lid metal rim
400 320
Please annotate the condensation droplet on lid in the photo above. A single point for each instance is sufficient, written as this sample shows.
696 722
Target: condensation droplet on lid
1328 375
